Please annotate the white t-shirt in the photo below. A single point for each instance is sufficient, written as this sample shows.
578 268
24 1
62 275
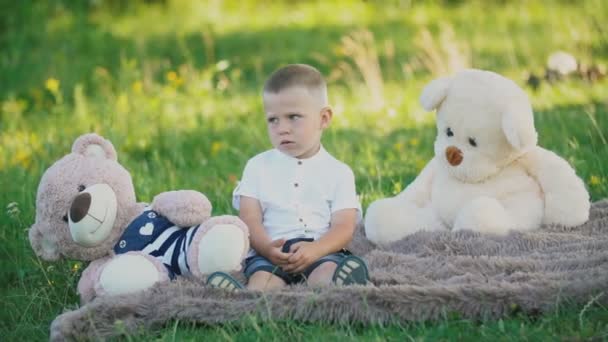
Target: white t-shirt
297 196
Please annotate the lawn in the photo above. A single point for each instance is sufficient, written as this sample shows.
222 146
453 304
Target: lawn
175 85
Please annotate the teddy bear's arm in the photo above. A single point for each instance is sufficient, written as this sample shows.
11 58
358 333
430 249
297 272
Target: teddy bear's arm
185 208
566 198
390 219
88 280
419 191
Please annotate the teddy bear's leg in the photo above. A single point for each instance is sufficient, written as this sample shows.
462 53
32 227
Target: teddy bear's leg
525 210
488 215
483 214
391 219
219 244
88 279
130 272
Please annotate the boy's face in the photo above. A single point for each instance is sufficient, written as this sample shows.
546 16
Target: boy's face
296 118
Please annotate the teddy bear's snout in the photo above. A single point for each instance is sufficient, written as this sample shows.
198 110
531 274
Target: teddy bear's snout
454 155
80 206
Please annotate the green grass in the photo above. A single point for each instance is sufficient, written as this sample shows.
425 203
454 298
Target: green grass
175 85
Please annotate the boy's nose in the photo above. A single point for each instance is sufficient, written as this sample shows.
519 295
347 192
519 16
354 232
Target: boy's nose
284 128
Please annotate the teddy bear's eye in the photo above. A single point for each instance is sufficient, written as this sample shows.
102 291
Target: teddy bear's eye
472 142
449 132
65 218
81 187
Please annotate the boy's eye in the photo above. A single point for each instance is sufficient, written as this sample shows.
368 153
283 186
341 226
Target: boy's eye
294 116
449 132
472 142
273 120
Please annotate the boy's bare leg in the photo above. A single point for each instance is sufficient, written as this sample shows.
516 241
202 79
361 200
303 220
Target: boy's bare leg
264 281
322 274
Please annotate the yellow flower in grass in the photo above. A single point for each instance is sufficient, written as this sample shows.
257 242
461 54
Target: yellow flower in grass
171 76
594 180
23 158
52 85
216 146
420 164
398 146
76 267
397 187
137 87
174 78
414 142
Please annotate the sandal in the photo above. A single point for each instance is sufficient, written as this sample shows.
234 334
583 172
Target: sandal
351 270
222 280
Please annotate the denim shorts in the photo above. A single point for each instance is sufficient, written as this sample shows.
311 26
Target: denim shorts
259 263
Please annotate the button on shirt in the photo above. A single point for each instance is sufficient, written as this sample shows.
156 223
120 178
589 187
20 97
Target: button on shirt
297 196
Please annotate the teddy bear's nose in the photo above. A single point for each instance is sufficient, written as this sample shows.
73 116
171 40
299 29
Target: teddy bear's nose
80 206
454 155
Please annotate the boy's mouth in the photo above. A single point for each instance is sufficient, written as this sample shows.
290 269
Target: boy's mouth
286 142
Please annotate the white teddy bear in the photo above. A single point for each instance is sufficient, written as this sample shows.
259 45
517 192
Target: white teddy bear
488 174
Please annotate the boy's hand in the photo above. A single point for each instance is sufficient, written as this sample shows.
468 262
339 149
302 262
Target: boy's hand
273 252
303 254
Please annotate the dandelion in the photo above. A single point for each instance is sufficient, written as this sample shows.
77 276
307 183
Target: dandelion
171 76
52 85
216 146
420 164
137 87
76 267
398 146
414 142
22 157
174 78
397 187
594 180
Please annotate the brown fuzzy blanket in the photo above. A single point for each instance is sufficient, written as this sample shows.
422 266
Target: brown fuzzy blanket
428 275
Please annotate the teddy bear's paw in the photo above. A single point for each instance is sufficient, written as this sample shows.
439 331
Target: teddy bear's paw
130 272
63 329
220 244
484 215
391 219
185 208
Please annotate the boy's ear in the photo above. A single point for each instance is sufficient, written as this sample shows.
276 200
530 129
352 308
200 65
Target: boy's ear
326 115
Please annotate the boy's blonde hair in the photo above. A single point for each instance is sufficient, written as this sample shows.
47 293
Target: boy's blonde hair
297 75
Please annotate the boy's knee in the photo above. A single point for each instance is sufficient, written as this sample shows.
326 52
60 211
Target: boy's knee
322 274
264 281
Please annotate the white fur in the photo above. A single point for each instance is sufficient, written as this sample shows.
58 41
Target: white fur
221 249
503 183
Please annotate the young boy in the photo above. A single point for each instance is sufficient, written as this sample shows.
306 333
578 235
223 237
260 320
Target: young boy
299 202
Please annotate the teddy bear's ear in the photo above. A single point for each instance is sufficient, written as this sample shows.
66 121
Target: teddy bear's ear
93 145
518 127
434 93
